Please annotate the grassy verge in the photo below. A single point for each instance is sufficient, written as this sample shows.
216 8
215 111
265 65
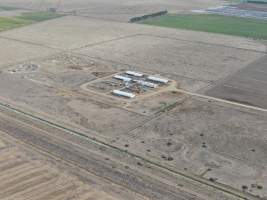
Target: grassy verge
253 28
25 19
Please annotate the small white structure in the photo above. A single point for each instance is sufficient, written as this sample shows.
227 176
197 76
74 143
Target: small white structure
157 79
136 74
124 94
123 78
147 84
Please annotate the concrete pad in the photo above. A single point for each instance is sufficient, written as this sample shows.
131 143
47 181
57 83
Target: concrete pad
12 51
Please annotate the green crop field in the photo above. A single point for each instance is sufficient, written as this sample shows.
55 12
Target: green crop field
237 26
39 16
8 23
25 19
254 1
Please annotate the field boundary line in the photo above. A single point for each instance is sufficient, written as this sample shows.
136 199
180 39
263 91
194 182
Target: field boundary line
205 43
222 100
218 186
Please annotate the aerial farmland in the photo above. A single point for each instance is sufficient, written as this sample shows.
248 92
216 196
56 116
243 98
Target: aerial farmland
129 100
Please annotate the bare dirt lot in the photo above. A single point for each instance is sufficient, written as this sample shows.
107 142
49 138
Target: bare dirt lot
196 131
247 86
210 139
183 58
23 51
173 144
27 175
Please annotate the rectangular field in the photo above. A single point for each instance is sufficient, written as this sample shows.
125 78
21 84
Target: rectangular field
26 175
182 58
9 48
247 86
25 19
214 23
8 23
219 142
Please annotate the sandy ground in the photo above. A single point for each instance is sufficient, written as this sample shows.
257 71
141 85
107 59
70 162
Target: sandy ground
28 175
96 165
23 51
247 86
176 57
56 93
212 140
